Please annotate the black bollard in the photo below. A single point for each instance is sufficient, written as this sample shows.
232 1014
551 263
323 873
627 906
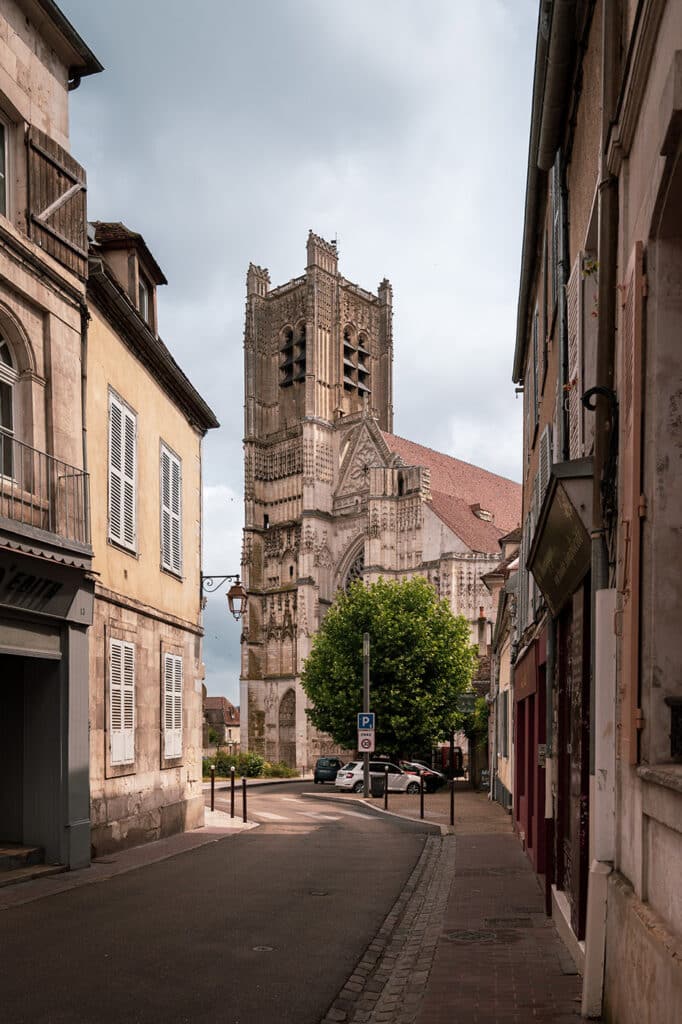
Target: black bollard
452 802
232 791
421 795
213 787
243 798
385 787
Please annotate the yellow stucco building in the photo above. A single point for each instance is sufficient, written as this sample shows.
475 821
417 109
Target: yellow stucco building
145 423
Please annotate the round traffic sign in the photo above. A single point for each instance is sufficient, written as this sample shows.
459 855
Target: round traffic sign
365 743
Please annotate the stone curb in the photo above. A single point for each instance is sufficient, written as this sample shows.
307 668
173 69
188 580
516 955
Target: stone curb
388 982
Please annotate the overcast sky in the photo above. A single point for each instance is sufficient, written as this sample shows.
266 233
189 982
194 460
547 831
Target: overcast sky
223 130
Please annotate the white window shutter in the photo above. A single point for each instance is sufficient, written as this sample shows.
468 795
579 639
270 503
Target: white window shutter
122 702
122 474
129 702
171 511
115 470
129 475
172 705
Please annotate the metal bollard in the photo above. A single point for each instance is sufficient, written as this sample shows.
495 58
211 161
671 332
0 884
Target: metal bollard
213 787
232 791
243 798
452 802
385 787
421 795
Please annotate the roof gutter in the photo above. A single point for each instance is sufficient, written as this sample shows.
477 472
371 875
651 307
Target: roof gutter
553 65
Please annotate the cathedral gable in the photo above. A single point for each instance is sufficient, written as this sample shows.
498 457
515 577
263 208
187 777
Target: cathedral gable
366 450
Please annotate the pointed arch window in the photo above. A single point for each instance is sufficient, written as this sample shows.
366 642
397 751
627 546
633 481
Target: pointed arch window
8 377
356 570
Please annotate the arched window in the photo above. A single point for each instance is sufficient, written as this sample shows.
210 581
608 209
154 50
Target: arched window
8 376
357 569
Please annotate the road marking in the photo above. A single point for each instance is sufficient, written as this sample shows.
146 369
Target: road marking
359 814
270 816
320 817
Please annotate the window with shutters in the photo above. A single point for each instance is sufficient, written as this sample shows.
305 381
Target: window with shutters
172 706
121 702
122 474
171 511
8 376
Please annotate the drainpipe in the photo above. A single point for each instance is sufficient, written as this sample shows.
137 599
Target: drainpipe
603 681
85 318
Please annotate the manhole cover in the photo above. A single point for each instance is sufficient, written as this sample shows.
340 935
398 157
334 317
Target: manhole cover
263 949
508 922
463 935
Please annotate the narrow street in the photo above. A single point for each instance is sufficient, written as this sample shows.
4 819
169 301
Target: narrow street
262 926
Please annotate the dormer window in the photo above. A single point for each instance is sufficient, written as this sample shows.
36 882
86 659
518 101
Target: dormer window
143 298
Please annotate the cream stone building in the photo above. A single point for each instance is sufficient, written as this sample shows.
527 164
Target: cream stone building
331 494
145 424
46 589
501 583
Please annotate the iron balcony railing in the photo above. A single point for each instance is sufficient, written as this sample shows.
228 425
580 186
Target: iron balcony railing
43 492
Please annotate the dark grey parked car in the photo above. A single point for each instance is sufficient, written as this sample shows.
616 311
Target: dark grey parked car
326 769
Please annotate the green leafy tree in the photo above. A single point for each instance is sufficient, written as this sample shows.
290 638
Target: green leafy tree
421 658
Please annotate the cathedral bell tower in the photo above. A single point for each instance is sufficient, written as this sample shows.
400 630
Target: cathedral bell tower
318 353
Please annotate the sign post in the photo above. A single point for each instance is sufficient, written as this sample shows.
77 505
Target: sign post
365 708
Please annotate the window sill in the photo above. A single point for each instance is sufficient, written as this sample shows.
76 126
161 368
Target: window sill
171 572
667 775
119 771
662 794
133 552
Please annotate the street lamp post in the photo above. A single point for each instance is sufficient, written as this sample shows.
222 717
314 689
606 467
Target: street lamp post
236 595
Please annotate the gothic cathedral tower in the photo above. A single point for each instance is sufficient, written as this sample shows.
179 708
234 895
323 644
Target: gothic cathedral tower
318 358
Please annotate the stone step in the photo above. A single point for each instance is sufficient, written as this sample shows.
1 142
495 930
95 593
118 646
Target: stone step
26 874
15 855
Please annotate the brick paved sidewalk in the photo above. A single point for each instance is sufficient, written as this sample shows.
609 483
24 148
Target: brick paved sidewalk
499 959
468 942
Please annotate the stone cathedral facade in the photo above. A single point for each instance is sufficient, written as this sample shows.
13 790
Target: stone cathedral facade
332 494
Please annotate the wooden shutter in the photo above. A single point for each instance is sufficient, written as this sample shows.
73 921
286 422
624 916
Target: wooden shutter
172 705
122 473
57 208
630 493
574 323
544 463
171 511
121 702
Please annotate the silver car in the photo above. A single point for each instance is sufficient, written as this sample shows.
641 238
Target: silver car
350 776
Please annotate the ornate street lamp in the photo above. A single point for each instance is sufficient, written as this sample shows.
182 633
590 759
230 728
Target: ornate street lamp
236 595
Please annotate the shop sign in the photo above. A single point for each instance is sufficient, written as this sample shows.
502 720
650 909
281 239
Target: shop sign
34 592
562 552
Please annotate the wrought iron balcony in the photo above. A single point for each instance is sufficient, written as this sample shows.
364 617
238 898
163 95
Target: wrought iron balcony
42 492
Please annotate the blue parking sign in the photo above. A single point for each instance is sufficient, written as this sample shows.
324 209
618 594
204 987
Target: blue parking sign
366 720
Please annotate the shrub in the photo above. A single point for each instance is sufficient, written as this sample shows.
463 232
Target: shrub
247 764
279 770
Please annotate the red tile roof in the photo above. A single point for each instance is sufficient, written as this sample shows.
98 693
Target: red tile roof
456 486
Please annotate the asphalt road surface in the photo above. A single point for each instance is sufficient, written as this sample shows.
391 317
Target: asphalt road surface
259 928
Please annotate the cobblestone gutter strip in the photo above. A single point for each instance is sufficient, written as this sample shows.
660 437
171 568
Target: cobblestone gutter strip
388 983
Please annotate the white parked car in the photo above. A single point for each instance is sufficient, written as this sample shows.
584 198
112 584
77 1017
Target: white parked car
350 776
